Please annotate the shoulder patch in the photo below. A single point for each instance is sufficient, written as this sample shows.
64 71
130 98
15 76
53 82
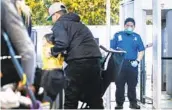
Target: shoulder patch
135 38
119 37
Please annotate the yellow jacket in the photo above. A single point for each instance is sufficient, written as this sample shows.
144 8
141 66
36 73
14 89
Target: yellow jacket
50 63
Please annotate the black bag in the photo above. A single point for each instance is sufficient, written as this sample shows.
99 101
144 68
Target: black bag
53 81
110 74
113 69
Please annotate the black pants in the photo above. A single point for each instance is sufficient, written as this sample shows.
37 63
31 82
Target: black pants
84 78
128 75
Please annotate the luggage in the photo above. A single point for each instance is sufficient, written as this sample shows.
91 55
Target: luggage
114 64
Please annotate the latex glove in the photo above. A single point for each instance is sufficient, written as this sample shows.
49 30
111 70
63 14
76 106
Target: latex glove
134 63
40 91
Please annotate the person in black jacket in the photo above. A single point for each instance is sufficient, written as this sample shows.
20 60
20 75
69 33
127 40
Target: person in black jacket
83 57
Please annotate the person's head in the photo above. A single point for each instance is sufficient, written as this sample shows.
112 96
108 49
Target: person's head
48 38
129 25
56 10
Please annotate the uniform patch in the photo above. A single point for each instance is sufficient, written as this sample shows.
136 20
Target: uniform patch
119 38
135 38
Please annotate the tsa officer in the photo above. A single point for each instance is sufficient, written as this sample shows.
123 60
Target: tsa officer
130 42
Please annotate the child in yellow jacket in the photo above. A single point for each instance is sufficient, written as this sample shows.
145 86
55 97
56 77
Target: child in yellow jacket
51 67
50 62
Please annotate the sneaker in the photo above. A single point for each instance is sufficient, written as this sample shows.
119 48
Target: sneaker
134 106
119 107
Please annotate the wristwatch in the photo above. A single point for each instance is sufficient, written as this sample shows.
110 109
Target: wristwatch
138 61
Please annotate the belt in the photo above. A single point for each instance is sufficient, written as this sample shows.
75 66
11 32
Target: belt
129 60
9 57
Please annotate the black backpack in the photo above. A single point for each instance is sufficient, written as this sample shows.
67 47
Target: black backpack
53 81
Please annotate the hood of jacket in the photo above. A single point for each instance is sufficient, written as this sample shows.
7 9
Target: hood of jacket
70 17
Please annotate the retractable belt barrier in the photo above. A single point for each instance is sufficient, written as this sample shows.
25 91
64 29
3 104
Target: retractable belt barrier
9 57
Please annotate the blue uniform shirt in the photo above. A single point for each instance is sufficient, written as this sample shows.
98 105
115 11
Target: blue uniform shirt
131 43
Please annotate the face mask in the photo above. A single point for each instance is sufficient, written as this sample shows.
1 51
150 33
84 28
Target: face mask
129 30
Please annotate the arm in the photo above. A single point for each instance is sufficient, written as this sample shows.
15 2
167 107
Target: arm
61 39
141 49
113 42
14 27
140 56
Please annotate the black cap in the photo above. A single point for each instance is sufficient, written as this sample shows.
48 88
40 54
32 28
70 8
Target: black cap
129 20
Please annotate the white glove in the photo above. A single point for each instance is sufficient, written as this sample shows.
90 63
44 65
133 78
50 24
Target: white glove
134 63
40 91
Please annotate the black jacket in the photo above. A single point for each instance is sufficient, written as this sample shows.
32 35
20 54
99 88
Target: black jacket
71 35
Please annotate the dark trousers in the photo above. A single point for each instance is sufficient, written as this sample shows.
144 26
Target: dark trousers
83 79
128 75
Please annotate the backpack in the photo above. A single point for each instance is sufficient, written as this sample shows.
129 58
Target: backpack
54 81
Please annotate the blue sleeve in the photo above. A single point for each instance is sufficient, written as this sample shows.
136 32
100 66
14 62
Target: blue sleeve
113 42
140 44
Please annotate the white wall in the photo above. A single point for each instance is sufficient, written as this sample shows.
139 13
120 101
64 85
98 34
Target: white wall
98 32
166 4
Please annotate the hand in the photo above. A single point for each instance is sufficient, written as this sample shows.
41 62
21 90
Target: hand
41 90
21 87
134 63
1 75
149 45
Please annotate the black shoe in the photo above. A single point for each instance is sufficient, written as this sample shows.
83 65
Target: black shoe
119 107
134 106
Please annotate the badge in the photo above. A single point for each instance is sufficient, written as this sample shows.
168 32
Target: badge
119 38
135 38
